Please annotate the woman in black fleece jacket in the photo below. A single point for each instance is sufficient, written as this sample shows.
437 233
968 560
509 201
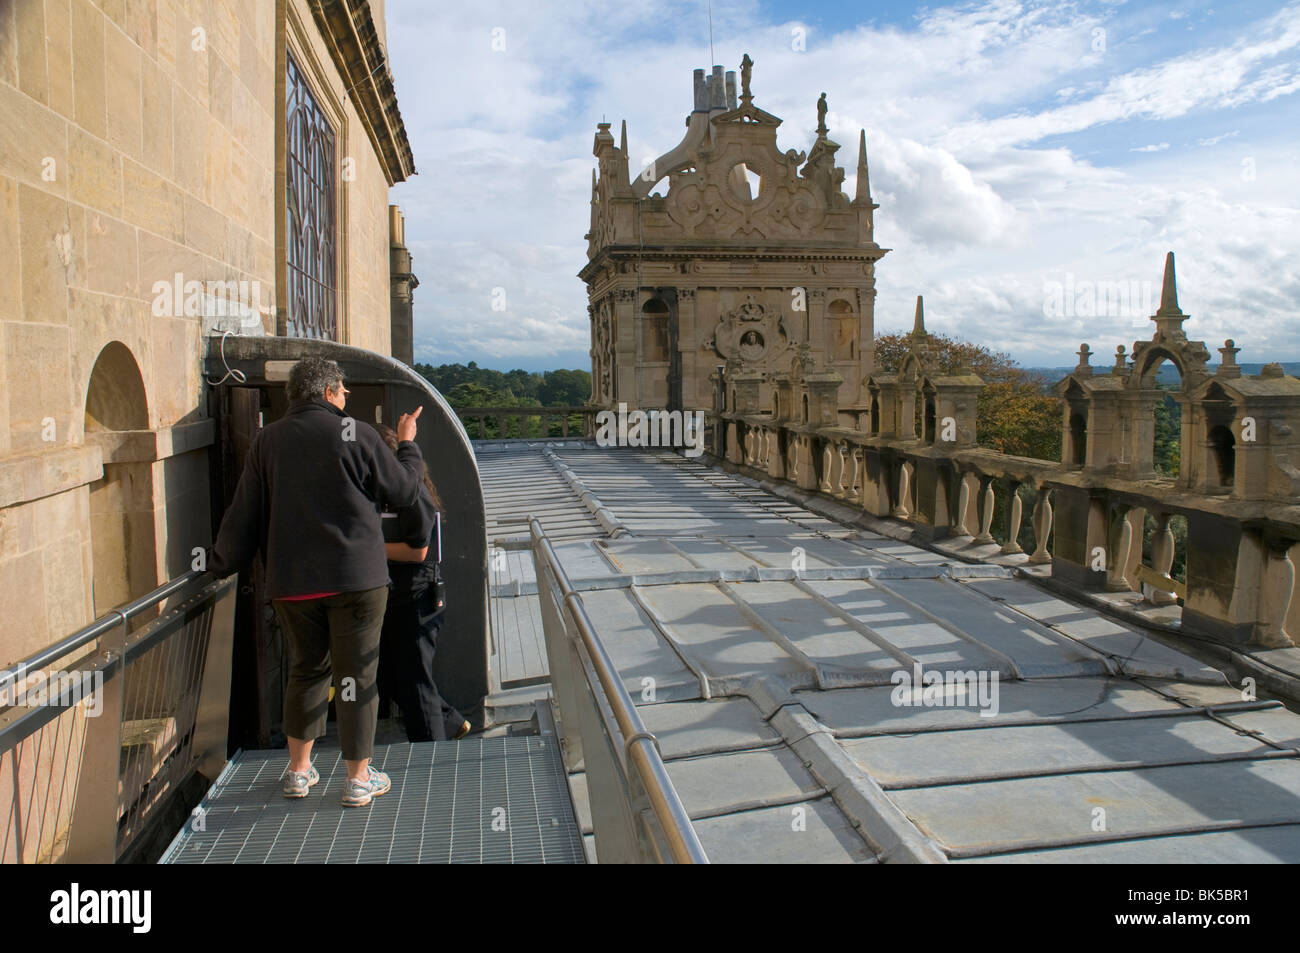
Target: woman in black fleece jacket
309 500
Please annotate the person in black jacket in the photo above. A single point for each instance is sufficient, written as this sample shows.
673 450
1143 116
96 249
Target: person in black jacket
309 500
412 539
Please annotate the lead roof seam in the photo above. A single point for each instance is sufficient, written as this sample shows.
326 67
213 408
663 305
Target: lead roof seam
1114 837
899 654
772 633
665 632
1016 671
1115 659
1030 774
851 734
835 770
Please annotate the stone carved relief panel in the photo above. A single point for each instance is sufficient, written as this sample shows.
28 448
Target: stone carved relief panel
712 201
751 333
603 352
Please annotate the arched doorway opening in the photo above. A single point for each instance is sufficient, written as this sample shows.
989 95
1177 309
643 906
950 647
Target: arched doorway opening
122 518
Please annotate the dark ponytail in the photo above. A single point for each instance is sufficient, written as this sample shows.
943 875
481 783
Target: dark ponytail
390 438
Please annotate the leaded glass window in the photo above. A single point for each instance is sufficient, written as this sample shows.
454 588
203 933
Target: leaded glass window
310 234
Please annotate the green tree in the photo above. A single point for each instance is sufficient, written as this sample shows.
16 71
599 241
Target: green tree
565 388
1167 449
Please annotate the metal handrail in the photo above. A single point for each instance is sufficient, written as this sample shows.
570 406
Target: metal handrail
170 679
640 746
101 626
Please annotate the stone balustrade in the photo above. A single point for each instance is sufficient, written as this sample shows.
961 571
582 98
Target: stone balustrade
1087 526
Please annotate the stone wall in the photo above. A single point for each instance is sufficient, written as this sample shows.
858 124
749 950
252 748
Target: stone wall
137 142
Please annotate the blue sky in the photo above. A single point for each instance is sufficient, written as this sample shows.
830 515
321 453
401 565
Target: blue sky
1016 148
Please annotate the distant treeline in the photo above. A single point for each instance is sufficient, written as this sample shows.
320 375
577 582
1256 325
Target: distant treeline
474 386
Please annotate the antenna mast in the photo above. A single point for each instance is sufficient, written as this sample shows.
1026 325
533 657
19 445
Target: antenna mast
712 58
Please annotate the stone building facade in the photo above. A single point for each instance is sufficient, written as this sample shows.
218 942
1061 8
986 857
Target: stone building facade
167 169
753 259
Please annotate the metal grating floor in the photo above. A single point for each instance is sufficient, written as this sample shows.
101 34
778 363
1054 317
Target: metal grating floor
480 800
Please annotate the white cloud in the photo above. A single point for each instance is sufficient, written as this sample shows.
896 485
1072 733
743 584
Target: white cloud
979 209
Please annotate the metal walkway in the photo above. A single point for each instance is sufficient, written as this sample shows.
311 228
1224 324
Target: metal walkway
480 800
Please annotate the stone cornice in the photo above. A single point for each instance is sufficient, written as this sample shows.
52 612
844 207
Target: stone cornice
41 473
348 29
836 253
140 446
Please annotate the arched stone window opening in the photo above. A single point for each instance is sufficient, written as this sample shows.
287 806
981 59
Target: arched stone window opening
805 408
654 332
928 420
1167 425
1224 446
1078 438
875 413
843 330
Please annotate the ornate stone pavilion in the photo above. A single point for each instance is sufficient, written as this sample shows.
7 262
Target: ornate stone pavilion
754 260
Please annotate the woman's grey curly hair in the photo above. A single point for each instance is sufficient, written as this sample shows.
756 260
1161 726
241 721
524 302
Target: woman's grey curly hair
311 377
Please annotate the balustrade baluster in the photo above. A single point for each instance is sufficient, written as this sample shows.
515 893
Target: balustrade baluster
963 507
902 510
987 501
1042 520
1015 512
1277 587
1162 560
1117 567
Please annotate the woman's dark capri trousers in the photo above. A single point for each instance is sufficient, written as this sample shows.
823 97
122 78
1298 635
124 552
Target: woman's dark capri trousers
409 643
344 630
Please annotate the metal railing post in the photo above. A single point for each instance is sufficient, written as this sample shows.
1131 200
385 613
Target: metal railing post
634 807
212 715
92 837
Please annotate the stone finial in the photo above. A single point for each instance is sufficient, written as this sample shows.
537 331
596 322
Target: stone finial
1228 366
1085 353
1272 369
1169 289
918 323
731 89
1169 318
1121 361
864 182
622 139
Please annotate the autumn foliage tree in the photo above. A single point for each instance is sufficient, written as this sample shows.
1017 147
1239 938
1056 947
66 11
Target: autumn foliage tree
1016 413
